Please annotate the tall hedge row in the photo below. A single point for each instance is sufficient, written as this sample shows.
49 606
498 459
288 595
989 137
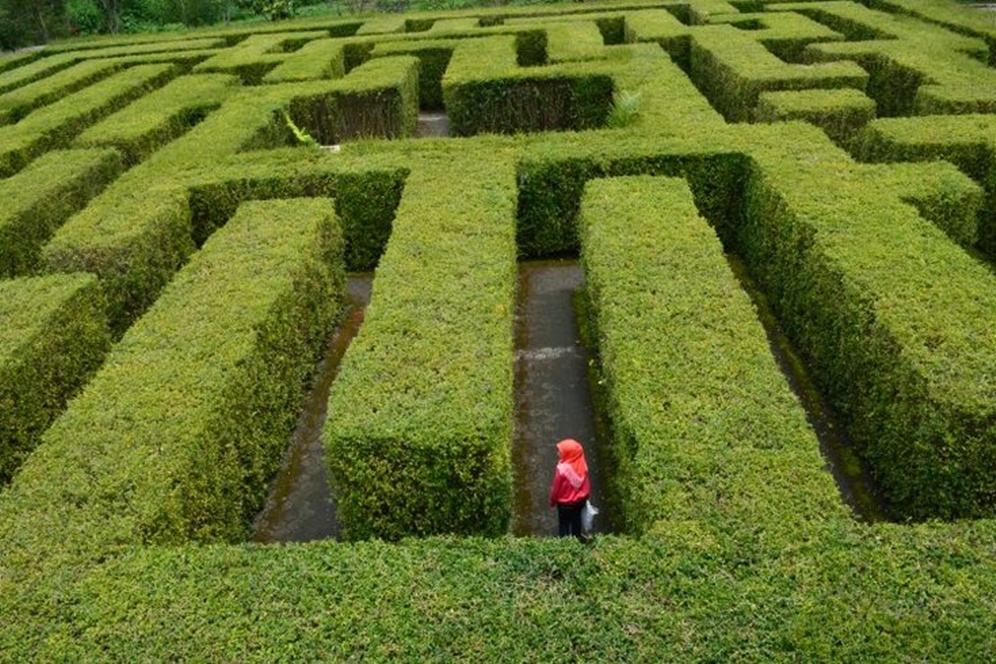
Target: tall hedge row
664 101
940 192
745 578
550 188
841 112
894 319
255 56
133 239
321 58
732 71
434 59
704 425
53 337
842 593
418 435
377 99
922 70
175 438
33 70
365 202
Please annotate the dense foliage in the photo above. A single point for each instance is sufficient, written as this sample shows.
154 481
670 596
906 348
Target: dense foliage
843 153
27 22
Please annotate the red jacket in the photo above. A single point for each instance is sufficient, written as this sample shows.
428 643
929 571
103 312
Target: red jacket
563 492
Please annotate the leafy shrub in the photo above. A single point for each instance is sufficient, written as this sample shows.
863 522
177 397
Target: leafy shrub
625 108
273 10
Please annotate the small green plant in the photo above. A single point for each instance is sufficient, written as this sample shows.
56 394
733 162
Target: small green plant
301 135
625 109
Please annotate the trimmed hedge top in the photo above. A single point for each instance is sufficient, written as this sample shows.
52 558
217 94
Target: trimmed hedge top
737 546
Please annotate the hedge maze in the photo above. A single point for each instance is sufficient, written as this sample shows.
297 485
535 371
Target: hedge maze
174 241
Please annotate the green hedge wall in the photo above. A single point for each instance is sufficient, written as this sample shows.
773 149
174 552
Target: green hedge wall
661 27
39 68
434 58
842 593
419 430
550 188
486 92
940 193
147 124
321 58
377 99
255 56
665 101
742 579
10 61
528 104
921 70
854 20
731 71
574 41
135 236
175 438
16 104
966 141
784 34
894 319
704 426
42 196
55 125
133 239
134 46
365 202
841 113
53 337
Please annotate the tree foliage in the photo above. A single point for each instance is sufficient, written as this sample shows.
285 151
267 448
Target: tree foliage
25 22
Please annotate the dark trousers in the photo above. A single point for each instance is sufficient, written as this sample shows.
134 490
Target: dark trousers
570 518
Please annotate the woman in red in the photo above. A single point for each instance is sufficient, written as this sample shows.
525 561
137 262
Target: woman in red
571 487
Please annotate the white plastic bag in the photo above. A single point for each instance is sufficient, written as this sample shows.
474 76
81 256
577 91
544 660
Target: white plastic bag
588 516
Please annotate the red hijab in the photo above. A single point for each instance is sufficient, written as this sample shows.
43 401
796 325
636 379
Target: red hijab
572 464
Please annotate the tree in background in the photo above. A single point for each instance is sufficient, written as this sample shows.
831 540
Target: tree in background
112 14
25 22
272 9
